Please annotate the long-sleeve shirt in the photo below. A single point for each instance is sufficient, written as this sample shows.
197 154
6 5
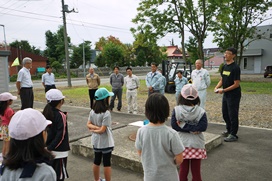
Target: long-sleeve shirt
116 80
180 83
132 82
201 79
152 80
93 81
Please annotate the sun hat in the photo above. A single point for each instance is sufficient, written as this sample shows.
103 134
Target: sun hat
27 123
54 95
102 93
189 92
7 96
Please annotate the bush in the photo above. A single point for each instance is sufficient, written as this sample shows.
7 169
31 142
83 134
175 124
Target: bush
13 78
220 67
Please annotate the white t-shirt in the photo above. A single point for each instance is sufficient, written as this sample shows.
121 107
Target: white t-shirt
159 146
24 77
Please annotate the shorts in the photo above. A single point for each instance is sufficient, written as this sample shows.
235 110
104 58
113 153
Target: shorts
5 133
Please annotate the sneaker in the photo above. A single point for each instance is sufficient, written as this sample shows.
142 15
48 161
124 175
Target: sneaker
134 112
129 112
119 110
225 133
230 138
102 179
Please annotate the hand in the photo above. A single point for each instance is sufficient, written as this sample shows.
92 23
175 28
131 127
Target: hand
196 132
18 92
178 122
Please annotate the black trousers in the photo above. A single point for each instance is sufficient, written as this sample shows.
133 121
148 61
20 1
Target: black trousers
230 111
27 97
48 87
118 93
91 95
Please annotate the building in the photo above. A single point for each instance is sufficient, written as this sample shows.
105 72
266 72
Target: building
258 54
213 57
174 53
37 60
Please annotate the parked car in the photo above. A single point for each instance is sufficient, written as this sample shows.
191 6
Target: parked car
268 71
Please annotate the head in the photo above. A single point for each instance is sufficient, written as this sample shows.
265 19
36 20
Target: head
48 69
27 62
129 71
6 99
102 100
91 70
189 96
230 53
116 69
198 64
27 130
55 99
157 108
153 67
179 74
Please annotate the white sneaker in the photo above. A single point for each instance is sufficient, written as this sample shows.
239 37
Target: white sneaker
134 112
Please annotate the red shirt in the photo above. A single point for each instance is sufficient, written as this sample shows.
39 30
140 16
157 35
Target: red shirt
7 116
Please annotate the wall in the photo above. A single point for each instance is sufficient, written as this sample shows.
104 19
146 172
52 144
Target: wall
4 75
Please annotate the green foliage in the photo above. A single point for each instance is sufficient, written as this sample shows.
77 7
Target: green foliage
56 65
191 47
235 22
24 45
77 56
113 54
99 61
55 47
13 78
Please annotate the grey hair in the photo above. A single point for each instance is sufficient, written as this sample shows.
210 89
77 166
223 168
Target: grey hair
26 59
201 61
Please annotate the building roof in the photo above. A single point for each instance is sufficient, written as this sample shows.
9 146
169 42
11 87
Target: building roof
173 51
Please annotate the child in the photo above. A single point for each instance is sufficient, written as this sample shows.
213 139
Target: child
99 123
190 120
6 113
158 145
58 140
27 157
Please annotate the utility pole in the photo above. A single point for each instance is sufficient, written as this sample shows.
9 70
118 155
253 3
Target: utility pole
4 36
65 10
84 63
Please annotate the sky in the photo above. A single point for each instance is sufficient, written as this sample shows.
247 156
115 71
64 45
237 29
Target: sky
92 19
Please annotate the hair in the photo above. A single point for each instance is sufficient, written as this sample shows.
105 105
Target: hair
26 59
48 112
129 69
183 101
157 108
30 150
48 67
201 61
3 106
232 50
115 67
153 63
101 106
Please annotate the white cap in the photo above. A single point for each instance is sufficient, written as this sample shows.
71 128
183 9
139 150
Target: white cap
7 96
54 95
189 92
27 123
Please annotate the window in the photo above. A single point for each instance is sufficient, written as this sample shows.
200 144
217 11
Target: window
245 63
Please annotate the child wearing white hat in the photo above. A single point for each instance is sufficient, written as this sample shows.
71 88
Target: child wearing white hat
27 157
58 139
6 112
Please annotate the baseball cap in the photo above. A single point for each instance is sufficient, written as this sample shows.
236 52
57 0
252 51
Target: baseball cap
189 92
102 93
54 95
7 96
27 123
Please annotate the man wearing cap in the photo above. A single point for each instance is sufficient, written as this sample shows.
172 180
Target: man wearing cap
48 79
180 81
93 81
201 81
152 79
132 83
117 82
24 84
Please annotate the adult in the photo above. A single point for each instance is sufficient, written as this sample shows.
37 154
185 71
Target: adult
48 79
162 83
24 84
180 81
230 80
201 81
117 82
152 79
93 81
132 83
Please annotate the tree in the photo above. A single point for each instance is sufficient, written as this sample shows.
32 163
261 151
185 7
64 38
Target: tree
236 21
171 16
192 49
129 56
77 56
24 45
55 47
113 54
103 41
